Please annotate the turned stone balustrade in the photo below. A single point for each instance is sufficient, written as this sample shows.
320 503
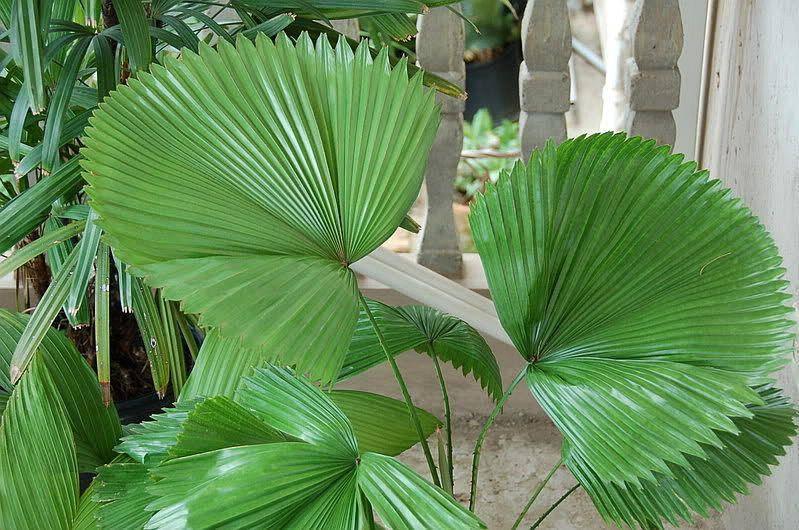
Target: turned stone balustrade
641 43
652 84
544 80
439 48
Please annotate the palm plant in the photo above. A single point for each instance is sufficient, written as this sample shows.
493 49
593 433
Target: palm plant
244 178
63 58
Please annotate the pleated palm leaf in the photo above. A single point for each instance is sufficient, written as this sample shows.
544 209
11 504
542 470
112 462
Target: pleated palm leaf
53 425
279 454
253 176
651 308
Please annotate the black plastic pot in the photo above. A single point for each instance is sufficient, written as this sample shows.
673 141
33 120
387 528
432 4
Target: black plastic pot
494 85
140 409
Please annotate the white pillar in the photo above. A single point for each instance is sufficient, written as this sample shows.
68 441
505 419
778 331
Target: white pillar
439 47
544 81
653 78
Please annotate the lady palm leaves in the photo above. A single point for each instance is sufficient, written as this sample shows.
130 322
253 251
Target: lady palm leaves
299 154
648 303
295 462
425 330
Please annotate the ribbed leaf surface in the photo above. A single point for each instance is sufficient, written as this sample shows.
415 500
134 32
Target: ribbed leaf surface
217 462
405 501
38 469
382 424
250 486
706 483
629 418
426 330
120 488
611 247
647 300
278 166
95 427
293 406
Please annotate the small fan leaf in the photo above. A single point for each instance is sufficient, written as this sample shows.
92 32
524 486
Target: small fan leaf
426 330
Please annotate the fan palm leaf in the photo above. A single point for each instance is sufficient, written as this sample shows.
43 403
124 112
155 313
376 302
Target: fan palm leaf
297 462
425 330
278 165
649 304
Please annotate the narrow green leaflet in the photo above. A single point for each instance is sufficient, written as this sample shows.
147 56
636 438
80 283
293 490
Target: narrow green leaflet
72 128
57 108
42 318
152 332
425 330
102 321
174 345
405 501
135 33
647 300
84 265
23 255
29 18
307 140
26 211
382 424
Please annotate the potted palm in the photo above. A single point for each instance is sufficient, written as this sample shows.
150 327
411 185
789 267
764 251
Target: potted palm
493 54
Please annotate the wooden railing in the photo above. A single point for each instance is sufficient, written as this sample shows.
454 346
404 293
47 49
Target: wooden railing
642 76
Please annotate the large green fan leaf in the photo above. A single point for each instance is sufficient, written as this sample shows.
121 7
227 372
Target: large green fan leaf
426 330
705 483
646 299
279 166
217 462
95 427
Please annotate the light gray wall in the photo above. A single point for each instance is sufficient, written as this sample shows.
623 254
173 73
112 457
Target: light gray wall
751 142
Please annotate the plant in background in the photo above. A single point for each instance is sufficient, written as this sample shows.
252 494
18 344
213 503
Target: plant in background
483 140
243 179
494 25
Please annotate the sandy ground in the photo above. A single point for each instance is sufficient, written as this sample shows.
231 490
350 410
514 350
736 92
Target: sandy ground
519 451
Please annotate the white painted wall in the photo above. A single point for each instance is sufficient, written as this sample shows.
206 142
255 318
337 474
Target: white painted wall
751 142
694 16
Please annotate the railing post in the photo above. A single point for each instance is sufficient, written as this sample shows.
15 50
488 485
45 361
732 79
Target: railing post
653 78
439 47
544 82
